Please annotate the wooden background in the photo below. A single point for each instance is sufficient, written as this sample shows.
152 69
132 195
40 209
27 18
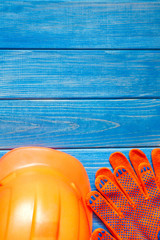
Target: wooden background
82 77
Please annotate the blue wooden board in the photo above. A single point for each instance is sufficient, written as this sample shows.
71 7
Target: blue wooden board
92 160
82 77
92 1
80 123
79 74
38 24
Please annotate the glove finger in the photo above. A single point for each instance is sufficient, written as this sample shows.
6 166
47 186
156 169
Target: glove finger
148 180
119 159
103 210
112 193
137 157
129 185
156 164
106 172
142 168
100 234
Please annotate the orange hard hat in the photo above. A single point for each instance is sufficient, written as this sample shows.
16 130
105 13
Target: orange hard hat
42 196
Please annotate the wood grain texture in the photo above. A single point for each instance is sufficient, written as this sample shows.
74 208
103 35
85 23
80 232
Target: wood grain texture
83 123
79 74
92 160
101 125
38 24
88 1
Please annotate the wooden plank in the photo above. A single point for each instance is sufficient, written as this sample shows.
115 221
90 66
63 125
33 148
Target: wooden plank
39 24
106 1
80 123
93 159
79 74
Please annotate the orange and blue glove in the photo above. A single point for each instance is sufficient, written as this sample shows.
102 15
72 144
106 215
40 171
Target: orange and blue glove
128 200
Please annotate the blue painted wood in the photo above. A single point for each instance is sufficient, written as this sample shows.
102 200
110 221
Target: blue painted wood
93 159
38 24
80 123
87 1
79 74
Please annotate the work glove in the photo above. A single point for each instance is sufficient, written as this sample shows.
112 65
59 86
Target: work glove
128 200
